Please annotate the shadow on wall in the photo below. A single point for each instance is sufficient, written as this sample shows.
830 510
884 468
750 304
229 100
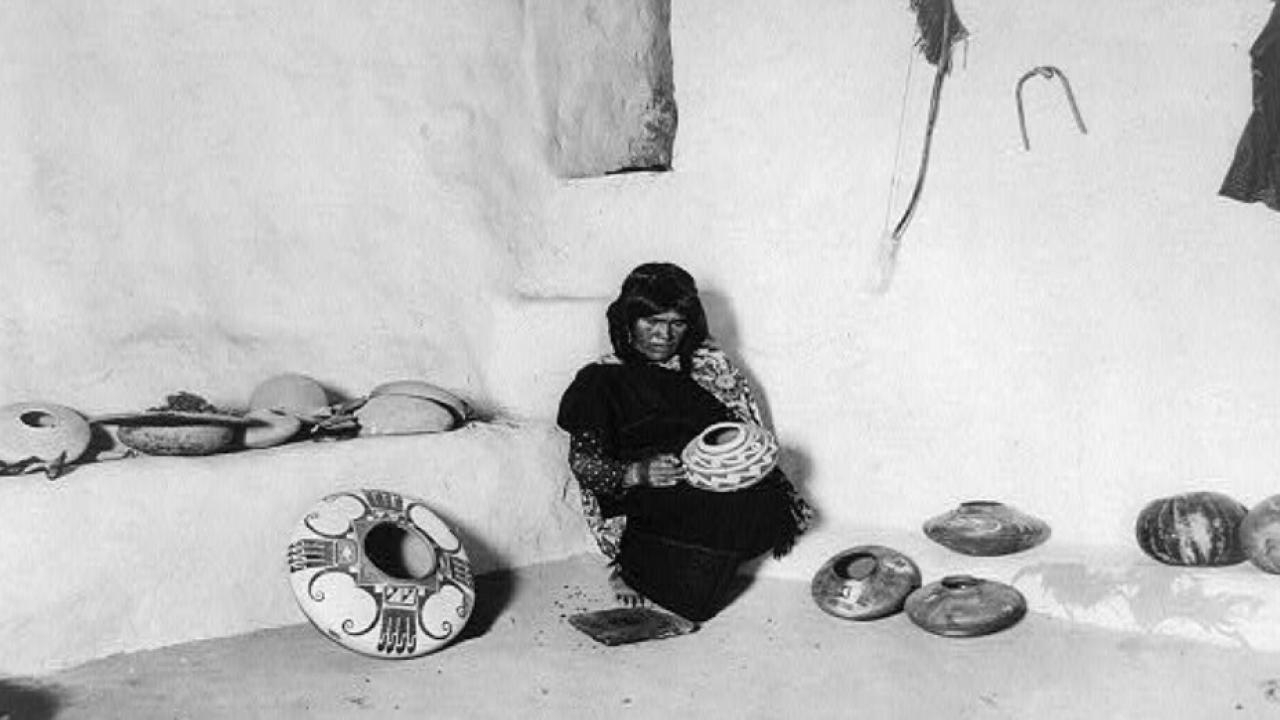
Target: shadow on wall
723 326
794 461
480 554
21 700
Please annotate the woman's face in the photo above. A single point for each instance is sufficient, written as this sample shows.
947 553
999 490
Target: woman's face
657 337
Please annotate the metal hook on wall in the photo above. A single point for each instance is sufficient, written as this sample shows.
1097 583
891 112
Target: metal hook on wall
1047 72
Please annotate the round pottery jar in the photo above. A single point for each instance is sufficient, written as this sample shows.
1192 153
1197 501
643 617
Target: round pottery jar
379 573
965 606
1260 534
986 528
175 433
42 431
730 456
865 582
1200 529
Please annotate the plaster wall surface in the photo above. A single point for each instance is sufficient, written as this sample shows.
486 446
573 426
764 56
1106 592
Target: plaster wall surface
1076 329
199 196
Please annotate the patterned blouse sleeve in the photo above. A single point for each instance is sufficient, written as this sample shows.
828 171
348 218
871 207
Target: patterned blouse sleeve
596 472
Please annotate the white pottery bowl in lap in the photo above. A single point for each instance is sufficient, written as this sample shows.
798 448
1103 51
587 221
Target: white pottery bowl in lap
381 574
730 456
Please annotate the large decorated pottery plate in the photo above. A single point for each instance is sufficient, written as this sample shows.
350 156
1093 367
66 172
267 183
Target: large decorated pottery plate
381 574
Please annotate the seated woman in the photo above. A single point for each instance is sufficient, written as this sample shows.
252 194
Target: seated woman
630 414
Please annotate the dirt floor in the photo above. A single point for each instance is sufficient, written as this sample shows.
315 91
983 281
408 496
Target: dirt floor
772 654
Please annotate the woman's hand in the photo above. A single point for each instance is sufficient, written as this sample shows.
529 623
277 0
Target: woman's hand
665 471
658 471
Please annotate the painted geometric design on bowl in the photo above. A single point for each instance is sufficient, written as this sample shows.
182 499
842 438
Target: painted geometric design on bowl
376 560
730 456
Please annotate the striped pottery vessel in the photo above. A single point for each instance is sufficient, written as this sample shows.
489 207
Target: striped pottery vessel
730 456
1195 528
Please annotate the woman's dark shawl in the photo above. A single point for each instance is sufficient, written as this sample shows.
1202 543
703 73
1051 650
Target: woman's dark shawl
638 410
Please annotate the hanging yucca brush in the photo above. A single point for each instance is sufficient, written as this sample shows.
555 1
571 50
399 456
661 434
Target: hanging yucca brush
939 27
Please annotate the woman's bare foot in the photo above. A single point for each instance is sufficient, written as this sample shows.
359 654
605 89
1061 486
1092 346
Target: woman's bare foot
624 593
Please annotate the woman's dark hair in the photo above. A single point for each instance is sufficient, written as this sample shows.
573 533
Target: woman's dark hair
652 289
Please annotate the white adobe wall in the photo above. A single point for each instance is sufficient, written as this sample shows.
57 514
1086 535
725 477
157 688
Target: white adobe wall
198 196
1075 330
201 195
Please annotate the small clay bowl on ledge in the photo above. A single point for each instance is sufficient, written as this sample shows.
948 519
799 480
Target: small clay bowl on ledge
176 433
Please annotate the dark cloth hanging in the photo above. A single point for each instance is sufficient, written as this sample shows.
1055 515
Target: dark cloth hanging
1254 175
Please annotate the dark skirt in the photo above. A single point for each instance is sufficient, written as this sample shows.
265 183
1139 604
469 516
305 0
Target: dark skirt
682 546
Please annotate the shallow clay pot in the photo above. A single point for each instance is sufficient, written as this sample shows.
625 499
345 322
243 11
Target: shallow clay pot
865 582
426 391
403 415
45 432
730 456
379 573
187 437
965 606
1260 534
986 528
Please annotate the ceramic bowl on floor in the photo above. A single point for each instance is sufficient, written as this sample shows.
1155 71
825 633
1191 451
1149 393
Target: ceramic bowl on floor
865 582
966 606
